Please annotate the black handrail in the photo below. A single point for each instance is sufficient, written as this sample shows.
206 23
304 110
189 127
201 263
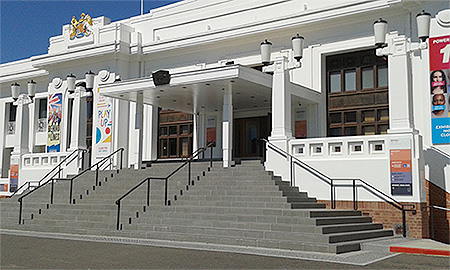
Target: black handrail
166 180
330 182
53 178
28 183
431 207
98 165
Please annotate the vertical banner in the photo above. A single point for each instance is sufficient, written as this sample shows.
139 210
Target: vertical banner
103 130
211 129
54 123
14 174
400 164
440 89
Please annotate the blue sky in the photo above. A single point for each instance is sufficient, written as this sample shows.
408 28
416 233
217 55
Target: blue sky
26 26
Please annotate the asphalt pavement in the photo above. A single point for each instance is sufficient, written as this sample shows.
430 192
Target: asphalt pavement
28 252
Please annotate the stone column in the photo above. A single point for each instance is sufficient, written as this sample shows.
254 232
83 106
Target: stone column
79 118
227 127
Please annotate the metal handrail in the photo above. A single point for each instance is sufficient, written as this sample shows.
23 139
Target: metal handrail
48 173
53 178
330 182
166 180
431 207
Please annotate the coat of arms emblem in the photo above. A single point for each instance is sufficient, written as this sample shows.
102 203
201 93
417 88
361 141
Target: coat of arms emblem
82 27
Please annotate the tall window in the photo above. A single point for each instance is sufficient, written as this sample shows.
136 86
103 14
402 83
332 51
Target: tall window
42 116
12 119
357 86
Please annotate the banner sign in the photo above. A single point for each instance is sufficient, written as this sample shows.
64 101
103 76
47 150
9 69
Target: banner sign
54 123
103 129
14 174
440 89
400 164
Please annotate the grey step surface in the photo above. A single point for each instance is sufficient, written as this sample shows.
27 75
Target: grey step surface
242 205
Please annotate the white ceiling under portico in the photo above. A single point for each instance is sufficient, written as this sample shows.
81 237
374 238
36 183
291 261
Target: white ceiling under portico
199 90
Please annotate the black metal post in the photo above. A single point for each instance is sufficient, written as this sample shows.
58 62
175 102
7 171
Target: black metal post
355 203
148 191
290 172
404 221
118 215
71 190
210 162
189 172
333 206
96 176
121 159
51 193
166 187
20 211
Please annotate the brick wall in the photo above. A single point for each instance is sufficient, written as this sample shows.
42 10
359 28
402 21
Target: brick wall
391 217
439 197
419 225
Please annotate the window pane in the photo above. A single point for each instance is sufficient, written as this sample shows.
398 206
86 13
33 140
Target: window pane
163 145
185 147
163 131
350 117
184 129
369 130
382 76
367 77
172 147
12 112
350 80
173 130
335 118
335 132
350 131
383 115
368 116
335 82
382 129
43 108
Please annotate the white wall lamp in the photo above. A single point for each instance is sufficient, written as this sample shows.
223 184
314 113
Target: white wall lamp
89 76
297 51
23 99
423 30
72 86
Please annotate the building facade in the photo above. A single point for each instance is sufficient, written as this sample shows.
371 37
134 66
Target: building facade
172 80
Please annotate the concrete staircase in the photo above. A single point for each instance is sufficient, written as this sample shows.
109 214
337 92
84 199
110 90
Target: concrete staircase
242 206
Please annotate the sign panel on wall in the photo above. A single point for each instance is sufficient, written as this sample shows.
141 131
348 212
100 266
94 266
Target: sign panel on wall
54 123
211 129
440 89
103 130
14 174
400 165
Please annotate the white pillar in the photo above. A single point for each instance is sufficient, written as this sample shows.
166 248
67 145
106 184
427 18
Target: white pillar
227 127
78 124
281 102
401 117
22 128
139 126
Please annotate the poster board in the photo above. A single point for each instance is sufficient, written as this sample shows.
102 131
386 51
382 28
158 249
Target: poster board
54 110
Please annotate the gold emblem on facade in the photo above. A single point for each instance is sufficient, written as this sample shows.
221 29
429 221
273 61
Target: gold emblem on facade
82 27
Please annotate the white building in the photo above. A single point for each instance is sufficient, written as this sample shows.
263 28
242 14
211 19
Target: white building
344 110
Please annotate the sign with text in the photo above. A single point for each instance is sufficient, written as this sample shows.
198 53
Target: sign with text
440 89
400 165
54 123
103 133
211 129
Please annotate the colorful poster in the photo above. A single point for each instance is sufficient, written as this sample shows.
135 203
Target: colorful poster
400 164
13 177
440 89
3 187
103 133
54 123
300 129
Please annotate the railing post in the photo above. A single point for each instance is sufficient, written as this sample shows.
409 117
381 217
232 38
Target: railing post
148 191
20 211
165 192
211 158
189 172
51 193
290 172
121 159
355 203
118 214
71 189
404 220
96 176
333 203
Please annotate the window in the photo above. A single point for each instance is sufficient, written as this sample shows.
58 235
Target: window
175 134
357 87
42 108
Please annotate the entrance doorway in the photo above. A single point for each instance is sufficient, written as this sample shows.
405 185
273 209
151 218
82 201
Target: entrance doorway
248 134
175 134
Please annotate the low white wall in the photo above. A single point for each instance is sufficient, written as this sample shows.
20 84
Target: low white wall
363 157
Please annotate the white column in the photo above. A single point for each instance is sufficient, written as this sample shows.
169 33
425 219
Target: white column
139 126
227 127
281 102
401 117
78 124
22 129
